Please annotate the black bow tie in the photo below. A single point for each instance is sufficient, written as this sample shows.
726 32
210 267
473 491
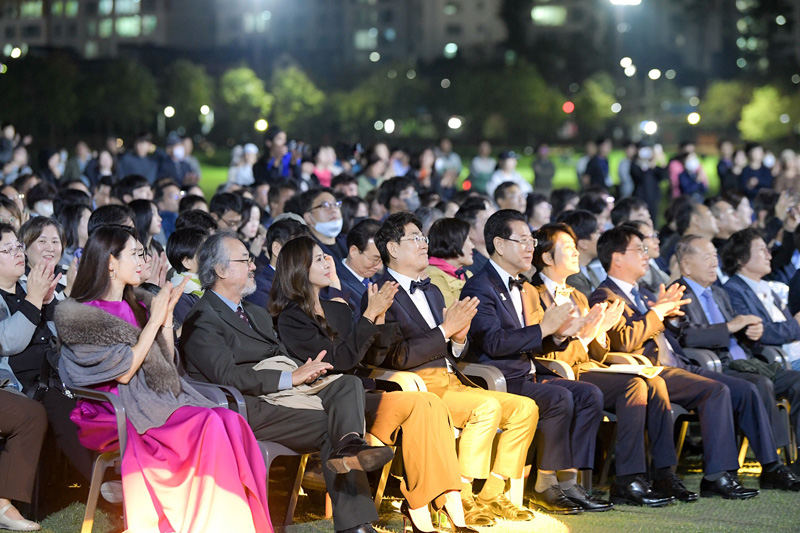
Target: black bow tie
421 285
515 282
461 273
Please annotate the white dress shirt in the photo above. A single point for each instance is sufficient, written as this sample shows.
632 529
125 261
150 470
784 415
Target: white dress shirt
516 297
421 303
765 294
359 277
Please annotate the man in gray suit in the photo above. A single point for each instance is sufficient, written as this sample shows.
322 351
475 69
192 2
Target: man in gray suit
709 322
224 337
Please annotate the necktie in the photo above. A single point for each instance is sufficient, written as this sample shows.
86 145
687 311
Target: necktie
716 317
240 312
365 283
421 285
515 282
637 299
461 273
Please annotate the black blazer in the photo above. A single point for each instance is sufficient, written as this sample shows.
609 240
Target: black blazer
416 345
352 289
354 344
694 331
219 347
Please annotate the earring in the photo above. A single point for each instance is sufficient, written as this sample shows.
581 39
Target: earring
113 274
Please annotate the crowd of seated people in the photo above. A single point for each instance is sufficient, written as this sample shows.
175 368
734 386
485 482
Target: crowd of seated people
298 278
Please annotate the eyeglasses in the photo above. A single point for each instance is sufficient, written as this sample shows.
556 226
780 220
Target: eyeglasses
373 260
232 223
419 240
654 235
327 206
250 260
14 249
144 255
9 220
526 242
641 251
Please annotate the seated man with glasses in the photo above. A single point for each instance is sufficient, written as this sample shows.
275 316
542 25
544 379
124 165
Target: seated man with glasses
642 331
323 215
508 333
655 276
226 208
363 261
430 339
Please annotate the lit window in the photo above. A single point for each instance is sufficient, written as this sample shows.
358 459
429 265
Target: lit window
71 8
105 7
91 28
450 8
129 26
31 10
126 7
149 23
549 15
249 23
365 40
90 50
57 8
106 28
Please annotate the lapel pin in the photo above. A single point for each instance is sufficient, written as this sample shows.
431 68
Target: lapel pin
502 296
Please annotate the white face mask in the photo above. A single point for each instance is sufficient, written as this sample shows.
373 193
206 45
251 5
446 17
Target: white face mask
331 228
769 161
692 164
178 152
44 208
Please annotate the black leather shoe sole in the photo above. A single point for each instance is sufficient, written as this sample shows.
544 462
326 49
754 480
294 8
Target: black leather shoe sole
366 460
619 500
729 496
549 510
771 485
591 507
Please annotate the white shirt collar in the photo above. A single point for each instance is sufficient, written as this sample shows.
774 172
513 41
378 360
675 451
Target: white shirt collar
353 272
504 275
756 286
552 286
403 280
624 285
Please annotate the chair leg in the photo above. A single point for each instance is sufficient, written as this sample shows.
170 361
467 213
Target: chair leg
743 450
301 469
681 438
381 488
608 455
103 461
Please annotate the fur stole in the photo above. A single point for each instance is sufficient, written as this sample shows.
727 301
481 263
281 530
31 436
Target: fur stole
77 323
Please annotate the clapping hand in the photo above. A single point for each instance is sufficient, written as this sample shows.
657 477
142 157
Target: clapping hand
670 300
458 317
311 370
379 301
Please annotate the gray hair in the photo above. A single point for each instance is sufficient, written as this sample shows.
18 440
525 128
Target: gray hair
212 254
686 247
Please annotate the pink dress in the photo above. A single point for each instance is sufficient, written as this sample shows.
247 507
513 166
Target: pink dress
202 471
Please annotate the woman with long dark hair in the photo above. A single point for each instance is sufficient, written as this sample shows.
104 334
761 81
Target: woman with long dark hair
74 218
186 468
148 224
307 324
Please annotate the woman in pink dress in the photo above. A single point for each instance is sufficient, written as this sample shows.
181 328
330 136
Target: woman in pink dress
187 467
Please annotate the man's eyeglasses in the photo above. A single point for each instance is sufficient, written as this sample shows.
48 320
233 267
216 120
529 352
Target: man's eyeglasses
526 242
327 206
14 249
654 235
641 251
234 223
250 260
419 240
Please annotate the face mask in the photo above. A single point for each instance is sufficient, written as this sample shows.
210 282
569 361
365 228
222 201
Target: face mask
412 203
769 160
44 208
692 164
329 229
178 151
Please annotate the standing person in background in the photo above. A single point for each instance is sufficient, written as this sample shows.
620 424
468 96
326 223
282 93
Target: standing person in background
580 166
678 168
624 170
139 161
597 170
482 167
77 165
507 171
278 163
194 165
732 179
725 163
756 175
448 163
543 170
241 170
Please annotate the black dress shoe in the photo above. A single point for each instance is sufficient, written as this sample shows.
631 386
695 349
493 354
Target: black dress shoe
554 501
363 528
728 487
673 486
781 479
638 492
353 453
588 503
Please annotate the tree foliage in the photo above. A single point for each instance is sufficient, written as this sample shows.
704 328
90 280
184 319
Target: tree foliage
187 87
761 116
243 100
298 102
722 106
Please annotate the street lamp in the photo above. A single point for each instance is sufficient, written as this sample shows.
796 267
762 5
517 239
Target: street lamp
261 125
204 110
169 111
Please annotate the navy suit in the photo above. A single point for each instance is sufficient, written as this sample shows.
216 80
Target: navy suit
478 262
570 412
352 288
694 331
688 385
746 302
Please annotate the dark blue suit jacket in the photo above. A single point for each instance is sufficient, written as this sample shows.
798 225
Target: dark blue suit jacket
746 302
264 281
635 331
478 262
496 336
352 289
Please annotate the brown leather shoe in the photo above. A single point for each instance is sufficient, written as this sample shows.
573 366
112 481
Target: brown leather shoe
502 507
476 514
